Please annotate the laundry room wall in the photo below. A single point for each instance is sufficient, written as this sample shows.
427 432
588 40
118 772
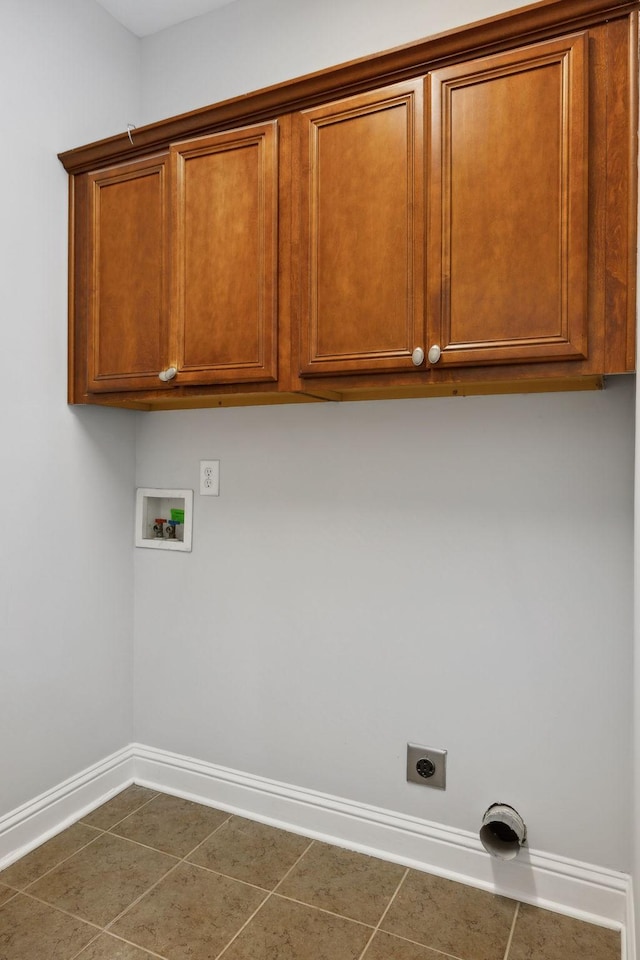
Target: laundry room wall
69 74
454 572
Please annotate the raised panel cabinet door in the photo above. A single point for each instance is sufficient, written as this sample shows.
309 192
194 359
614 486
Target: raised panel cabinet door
361 227
509 194
127 331
224 220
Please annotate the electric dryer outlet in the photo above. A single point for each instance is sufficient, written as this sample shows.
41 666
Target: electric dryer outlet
427 766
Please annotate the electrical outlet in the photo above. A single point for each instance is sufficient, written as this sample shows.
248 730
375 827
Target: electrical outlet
427 766
210 478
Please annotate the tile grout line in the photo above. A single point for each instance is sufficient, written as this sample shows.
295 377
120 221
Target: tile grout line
101 833
208 836
145 846
122 819
179 861
100 930
183 858
87 945
67 913
270 894
14 894
108 931
107 928
330 913
14 891
416 943
245 924
293 866
384 913
102 933
108 832
46 873
313 906
134 903
512 931
28 893
246 883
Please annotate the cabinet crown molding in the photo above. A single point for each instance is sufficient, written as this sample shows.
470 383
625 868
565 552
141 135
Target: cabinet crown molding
523 25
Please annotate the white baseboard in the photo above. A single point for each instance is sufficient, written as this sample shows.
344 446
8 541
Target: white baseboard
555 883
629 930
34 822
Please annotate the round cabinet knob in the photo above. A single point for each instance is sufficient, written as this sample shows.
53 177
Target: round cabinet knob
434 353
168 374
417 356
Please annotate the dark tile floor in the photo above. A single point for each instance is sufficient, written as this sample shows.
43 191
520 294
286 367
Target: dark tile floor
148 875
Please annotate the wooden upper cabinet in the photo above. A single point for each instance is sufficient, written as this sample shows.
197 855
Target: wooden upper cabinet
361 229
224 279
457 215
127 305
508 249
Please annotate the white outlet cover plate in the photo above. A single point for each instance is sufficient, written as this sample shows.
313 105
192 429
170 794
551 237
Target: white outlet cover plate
210 469
150 500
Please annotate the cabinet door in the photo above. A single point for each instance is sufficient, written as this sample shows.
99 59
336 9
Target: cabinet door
361 232
127 333
224 221
508 226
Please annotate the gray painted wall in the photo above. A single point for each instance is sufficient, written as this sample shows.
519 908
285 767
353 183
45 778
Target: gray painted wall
69 74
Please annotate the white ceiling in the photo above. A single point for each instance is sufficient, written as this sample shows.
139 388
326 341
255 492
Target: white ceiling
143 17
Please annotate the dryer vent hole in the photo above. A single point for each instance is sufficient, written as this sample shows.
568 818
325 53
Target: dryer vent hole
503 832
